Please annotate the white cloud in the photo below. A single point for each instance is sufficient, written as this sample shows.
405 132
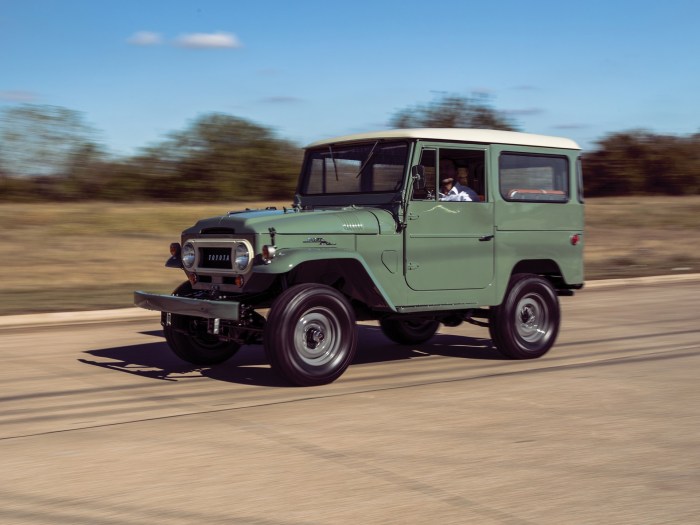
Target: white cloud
524 112
526 87
280 99
483 92
572 125
208 40
17 96
144 38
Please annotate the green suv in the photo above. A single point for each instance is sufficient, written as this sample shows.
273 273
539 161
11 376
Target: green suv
411 228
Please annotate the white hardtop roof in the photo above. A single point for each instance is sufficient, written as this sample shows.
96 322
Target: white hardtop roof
484 136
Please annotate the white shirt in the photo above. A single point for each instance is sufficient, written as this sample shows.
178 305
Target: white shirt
459 193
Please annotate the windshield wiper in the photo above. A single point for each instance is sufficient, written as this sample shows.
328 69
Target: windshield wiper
364 164
335 167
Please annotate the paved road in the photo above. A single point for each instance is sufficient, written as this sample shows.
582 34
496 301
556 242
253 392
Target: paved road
100 424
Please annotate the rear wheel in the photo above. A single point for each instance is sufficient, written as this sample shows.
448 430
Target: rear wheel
526 324
310 337
410 331
187 337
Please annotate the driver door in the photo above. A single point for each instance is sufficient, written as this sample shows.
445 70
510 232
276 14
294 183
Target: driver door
450 245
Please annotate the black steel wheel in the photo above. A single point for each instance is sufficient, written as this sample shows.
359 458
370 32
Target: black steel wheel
525 325
409 331
188 339
310 337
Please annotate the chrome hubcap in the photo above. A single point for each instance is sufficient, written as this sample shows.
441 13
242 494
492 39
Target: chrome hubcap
316 336
532 320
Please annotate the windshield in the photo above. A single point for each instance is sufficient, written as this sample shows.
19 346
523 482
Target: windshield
372 167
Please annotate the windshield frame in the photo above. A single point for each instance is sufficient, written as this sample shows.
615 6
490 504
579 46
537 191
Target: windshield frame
329 152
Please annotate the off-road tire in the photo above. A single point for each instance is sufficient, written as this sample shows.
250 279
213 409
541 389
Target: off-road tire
310 337
197 346
525 325
409 332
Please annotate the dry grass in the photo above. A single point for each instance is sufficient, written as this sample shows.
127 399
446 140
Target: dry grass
634 236
93 255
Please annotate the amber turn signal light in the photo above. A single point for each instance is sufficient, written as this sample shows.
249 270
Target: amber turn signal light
268 253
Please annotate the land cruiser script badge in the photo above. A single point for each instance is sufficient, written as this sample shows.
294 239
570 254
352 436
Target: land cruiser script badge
319 240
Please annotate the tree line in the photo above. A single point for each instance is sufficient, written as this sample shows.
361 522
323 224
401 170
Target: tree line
49 153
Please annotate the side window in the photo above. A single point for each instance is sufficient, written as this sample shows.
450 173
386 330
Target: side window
461 175
538 178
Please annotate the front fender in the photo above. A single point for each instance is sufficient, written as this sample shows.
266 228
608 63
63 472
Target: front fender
288 259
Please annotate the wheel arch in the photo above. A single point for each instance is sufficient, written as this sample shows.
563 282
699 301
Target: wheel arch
546 268
347 274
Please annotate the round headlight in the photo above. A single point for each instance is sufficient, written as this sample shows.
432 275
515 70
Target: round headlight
188 254
242 257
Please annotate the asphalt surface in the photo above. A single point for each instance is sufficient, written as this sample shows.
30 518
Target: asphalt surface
100 423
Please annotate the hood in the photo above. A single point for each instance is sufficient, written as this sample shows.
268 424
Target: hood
290 221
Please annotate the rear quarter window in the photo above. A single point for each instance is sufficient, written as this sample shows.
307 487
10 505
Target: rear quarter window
533 178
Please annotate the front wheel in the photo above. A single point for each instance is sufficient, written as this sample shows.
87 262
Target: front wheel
310 337
191 342
409 331
198 347
526 324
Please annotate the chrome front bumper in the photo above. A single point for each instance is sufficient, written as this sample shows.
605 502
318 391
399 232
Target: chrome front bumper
186 306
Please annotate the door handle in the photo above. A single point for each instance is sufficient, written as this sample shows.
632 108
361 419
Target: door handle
486 238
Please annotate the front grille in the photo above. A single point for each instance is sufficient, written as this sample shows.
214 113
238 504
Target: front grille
215 258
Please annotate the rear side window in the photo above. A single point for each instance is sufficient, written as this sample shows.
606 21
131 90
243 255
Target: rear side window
534 178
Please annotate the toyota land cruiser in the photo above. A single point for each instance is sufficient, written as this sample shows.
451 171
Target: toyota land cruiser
374 234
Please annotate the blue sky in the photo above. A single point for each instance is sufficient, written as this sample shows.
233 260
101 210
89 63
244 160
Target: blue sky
312 69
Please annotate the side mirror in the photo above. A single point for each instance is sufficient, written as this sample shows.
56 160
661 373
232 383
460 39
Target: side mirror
418 176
